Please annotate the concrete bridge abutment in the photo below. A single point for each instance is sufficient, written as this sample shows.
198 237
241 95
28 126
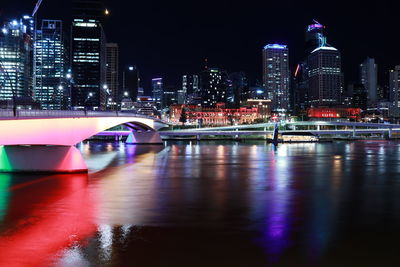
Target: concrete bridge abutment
145 137
41 159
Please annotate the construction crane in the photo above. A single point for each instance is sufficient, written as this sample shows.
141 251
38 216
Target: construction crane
35 10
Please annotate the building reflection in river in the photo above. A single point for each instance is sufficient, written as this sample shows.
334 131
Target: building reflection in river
220 203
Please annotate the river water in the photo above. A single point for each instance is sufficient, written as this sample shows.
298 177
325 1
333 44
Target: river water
209 204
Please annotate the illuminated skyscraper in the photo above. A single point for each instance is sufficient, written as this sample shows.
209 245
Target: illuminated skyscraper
325 77
394 86
157 87
213 87
369 78
112 75
51 90
319 78
190 89
15 59
276 75
88 56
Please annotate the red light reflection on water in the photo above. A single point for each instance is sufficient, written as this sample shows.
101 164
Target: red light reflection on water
47 217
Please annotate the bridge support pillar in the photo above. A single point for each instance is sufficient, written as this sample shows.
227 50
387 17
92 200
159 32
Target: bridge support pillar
41 159
354 132
390 133
149 137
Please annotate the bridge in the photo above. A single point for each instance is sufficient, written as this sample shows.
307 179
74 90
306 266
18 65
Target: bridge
317 128
44 141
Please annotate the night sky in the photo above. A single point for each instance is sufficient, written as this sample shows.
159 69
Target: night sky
170 38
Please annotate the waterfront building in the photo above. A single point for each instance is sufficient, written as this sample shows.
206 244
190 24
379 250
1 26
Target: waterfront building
213 83
157 87
219 115
16 60
369 78
88 53
330 113
276 76
112 75
264 107
51 88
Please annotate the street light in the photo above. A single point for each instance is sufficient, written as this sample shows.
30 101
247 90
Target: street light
87 99
60 94
69 78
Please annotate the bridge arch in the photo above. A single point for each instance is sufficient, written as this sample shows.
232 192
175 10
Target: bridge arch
65 131
48 144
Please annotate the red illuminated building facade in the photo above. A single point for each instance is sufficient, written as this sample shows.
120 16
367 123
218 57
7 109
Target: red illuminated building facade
334 113
220 115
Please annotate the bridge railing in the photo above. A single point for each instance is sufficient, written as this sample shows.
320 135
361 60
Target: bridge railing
22 113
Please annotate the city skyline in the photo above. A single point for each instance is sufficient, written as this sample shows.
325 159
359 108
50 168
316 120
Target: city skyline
168 48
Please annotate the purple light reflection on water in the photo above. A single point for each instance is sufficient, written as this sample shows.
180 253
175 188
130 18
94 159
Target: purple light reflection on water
277 204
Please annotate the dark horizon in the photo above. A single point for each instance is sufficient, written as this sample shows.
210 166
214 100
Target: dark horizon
171 39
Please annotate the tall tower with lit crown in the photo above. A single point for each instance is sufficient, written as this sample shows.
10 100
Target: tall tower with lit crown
276 75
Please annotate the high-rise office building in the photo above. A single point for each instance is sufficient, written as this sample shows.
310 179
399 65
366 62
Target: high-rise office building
213 87
51 88
88 55
324 74
369 78
318 77
276 75
300 87
16 59
394 86
325 77
190 89
112 75
157 87
131 83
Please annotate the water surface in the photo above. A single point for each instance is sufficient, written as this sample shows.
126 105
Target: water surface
209 204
